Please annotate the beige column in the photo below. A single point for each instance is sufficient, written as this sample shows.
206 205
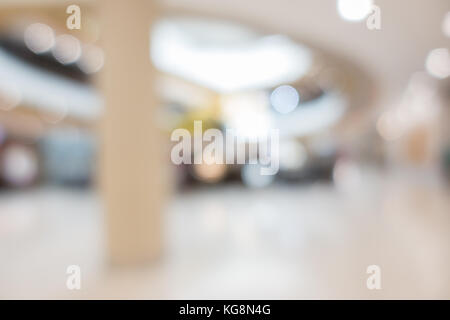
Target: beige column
130 156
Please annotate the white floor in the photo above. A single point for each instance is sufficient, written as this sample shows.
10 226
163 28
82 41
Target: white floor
286 241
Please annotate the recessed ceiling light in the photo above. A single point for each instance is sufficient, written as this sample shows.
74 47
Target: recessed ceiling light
438 63
354 10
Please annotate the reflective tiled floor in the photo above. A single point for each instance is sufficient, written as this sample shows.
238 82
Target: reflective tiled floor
286 241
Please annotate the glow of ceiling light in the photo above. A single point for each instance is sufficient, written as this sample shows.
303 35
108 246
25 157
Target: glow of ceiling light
92 59
446 25
39 37
438 63
252 125
252 177
390 126
247 114
284 99
67 49
354 10
292 154
235 59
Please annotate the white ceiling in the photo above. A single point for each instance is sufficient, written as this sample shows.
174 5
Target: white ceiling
410 29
